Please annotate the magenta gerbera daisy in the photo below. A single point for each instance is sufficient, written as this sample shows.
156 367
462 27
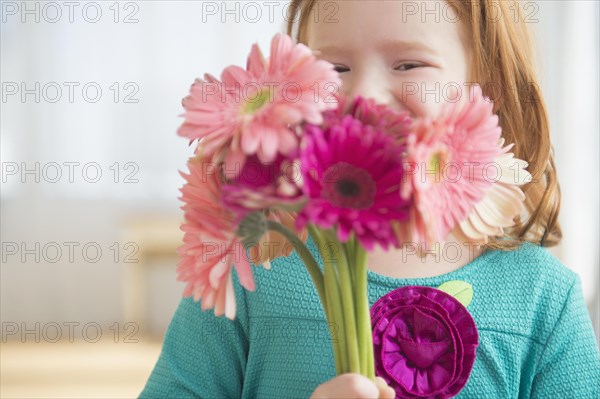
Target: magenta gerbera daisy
253 110
262 186
351 173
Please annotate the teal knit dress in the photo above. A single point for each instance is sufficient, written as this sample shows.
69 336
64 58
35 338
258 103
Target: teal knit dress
535 335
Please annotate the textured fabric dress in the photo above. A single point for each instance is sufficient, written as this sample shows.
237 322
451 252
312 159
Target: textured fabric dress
535 335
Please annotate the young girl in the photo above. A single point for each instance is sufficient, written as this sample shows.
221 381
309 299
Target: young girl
535 335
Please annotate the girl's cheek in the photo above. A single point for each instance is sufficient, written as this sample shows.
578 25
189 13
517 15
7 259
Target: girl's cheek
346 87
427 106
419 103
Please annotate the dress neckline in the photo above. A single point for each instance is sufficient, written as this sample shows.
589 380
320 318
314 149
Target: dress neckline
457 274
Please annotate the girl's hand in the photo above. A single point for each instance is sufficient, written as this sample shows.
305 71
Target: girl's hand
353 386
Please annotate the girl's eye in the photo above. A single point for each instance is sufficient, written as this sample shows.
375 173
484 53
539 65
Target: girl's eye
407 66
341 68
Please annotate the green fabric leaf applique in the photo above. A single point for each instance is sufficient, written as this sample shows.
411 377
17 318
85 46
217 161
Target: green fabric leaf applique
461 290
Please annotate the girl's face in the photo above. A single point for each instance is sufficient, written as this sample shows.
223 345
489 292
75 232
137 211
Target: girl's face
406 54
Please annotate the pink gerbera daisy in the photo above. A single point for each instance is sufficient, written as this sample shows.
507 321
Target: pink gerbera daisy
351 173
501 204
253 110
210 246
458 175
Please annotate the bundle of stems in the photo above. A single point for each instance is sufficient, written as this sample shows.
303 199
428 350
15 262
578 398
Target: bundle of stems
342 288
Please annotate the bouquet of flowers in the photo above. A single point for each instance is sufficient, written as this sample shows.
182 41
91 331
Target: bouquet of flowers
281 155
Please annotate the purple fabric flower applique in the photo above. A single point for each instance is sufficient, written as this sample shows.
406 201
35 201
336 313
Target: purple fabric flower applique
424 342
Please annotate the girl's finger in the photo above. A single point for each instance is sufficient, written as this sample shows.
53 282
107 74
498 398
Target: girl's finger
385 391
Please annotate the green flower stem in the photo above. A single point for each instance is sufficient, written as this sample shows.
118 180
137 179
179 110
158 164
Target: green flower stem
336 318
333 308
370 354
348 306
350 249
363 319
307 258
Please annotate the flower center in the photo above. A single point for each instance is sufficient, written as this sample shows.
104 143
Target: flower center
347 186
255 103
435 165
434 162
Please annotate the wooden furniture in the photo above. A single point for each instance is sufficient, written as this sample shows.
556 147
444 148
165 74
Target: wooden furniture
156 237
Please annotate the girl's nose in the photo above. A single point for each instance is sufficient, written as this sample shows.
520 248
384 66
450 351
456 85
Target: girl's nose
370 83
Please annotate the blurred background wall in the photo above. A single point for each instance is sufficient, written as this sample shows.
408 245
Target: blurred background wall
89 115
91 93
